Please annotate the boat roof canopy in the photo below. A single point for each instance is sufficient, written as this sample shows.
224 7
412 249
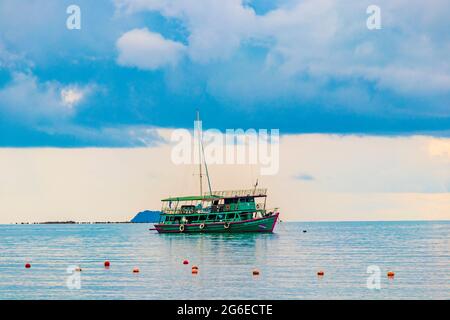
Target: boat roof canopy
255 193
192 198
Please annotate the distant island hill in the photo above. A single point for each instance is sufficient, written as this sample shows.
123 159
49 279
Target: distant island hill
146 216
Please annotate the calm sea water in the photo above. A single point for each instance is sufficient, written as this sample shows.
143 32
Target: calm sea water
418 253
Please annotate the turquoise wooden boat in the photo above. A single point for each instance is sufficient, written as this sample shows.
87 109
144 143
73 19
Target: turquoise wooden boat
220 212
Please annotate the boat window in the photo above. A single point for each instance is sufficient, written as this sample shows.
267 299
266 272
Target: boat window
247 199
246 215
231 200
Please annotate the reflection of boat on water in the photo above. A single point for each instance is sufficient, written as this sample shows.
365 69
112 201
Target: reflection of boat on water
218 211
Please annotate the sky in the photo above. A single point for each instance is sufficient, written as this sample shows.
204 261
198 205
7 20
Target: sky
310 68
323 179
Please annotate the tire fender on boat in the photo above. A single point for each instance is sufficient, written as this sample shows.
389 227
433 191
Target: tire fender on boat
202 226
226 225
181 227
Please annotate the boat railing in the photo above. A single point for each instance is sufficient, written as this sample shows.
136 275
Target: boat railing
211 210
182 211
262 192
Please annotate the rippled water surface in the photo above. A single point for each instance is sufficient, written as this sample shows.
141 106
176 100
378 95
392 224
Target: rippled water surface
418 253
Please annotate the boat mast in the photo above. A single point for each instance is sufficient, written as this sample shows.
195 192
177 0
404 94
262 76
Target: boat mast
202 152
207 173
256 184
199 152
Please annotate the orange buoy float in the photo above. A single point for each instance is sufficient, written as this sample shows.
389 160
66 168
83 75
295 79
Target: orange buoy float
78 269
27 265
390 274
185 262
255 272
320 273
194 271
107 264
136 270
194 267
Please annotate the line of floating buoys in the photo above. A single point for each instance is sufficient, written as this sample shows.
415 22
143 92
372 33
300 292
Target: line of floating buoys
255 272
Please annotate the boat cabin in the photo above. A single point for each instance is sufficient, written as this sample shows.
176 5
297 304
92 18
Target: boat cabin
220 206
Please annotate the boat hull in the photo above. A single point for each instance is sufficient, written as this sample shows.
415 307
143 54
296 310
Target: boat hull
265 224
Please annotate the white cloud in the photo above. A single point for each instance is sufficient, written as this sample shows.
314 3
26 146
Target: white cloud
119 136
216 27
74 95
405 79
323 38
71 96
12 60
27 99
147 50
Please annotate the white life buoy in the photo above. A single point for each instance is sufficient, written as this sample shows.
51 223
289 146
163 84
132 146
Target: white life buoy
181 227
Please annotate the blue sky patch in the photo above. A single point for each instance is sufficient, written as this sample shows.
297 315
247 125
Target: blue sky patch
300 66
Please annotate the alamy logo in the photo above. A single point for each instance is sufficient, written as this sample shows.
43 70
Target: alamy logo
374 280
236 146
374 20
73 281
73 21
